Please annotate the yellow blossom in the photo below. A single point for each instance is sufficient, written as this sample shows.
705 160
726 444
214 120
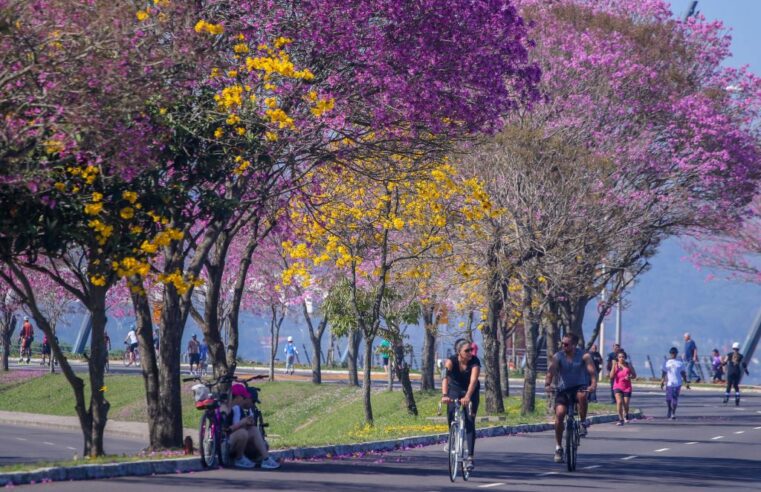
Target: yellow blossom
93 208
96 197
130 196
127 213
98 280
219 133
141 15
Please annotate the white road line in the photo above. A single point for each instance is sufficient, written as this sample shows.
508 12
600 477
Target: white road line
49 443
661 450
20 439
740 432
629 458
547 474
756 428
592 467
717 437
69 447
691 442
489 485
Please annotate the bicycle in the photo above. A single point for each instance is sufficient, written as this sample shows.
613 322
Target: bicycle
456 442
126 357
572 434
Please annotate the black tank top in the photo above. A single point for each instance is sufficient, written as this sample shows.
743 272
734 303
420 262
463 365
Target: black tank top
459 380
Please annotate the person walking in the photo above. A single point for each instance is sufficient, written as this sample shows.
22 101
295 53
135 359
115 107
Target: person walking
622 374
194 353
735 365
717 367
291 352
691 357
27 337
612 357
203 357
672 375
597 361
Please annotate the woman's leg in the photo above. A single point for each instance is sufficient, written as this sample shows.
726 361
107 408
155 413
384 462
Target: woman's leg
238 440
470 426
620 406
256 448
626 406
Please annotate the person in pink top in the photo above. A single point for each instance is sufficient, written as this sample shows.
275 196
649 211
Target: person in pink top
622 374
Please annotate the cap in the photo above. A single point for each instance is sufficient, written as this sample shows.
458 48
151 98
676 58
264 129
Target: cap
240 390
26 318
686 333
736 345
673 350
195 336
290 339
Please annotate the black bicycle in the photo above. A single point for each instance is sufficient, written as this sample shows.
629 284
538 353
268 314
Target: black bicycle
572 433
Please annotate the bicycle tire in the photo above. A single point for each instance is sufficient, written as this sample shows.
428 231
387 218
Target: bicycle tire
570 445
452 449
125 359
208 441
463 446
261 425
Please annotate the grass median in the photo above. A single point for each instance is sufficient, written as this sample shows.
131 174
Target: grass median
299 413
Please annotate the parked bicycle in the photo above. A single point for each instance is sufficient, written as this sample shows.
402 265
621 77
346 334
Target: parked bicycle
213 433
456 445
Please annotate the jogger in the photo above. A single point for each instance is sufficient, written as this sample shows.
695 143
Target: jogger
672 375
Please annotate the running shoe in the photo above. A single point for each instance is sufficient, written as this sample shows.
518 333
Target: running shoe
620 423
270 464
469 464
244 462
558 455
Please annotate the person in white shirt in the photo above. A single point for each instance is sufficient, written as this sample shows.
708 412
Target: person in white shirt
131 341
673 373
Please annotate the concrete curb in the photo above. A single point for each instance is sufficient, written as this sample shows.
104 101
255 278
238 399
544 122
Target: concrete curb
186 465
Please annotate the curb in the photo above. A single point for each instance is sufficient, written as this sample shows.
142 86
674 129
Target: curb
186 465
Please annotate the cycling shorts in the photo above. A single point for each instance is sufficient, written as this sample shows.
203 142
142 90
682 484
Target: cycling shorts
566 396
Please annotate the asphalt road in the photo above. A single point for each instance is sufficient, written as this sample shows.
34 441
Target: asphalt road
19 444
709 446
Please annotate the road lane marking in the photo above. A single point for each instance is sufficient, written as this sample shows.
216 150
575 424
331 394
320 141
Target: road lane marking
691 442
661 450
717 437
592 467
489 485
629 458
740 432
547 474
69 447
756 428
20 439
49 443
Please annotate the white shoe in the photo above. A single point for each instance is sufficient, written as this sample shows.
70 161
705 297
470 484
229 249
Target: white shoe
270 464
244 462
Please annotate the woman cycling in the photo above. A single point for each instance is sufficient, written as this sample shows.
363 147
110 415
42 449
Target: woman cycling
622 374
460 381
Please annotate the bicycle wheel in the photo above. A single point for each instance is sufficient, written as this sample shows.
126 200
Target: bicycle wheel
125 359
453 451
208 442
570 444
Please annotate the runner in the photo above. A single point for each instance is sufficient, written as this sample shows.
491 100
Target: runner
672 375
571 369
194 353
622 375
735 366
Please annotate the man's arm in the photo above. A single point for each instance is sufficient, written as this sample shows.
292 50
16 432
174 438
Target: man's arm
551 371
592 372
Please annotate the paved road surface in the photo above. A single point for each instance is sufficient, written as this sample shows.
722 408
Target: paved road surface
709 446
32 444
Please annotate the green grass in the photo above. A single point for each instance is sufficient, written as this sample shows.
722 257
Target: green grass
299 413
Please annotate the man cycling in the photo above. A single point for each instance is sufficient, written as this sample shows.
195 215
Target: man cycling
573 372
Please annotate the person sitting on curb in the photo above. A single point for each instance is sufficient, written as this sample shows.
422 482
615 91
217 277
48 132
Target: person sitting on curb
246 442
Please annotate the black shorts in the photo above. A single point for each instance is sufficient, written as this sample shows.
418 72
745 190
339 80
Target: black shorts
45 349
27 342
566 396
133 346
194 358
625 394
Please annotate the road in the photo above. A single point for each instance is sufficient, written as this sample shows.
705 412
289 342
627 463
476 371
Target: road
19 444
709 446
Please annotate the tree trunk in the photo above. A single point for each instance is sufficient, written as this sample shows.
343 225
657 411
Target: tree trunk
428 382
9 326
402 370
492 387
99 406
238 290
169 415
275 323
315 335
503 365
330 361
355 337
148 363
531 332
366 380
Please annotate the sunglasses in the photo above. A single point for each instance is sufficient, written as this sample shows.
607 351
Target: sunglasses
468 350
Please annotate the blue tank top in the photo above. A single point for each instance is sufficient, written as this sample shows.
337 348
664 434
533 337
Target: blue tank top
571 372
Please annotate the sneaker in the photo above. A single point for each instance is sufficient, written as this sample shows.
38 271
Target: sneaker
270 464
668 413
469 464
737 402
582 431
558 455
244 462
726 399
620 423
673 417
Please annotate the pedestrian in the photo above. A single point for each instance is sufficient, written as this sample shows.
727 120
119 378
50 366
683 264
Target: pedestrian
27 337
672 375
716 365
45 351
194 349
612 357
597 361
622 375
735 367
290 355
107 345
691 357
384 349
203 357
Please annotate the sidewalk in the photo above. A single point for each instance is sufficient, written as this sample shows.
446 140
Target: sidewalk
114 428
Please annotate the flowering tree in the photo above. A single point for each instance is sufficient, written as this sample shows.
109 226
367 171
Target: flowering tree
9 305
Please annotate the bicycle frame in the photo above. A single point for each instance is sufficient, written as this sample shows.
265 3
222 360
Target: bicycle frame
456 442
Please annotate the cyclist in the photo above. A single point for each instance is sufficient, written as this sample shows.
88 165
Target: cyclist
573 372
460 381
27 337
735 366
131 341
246 442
